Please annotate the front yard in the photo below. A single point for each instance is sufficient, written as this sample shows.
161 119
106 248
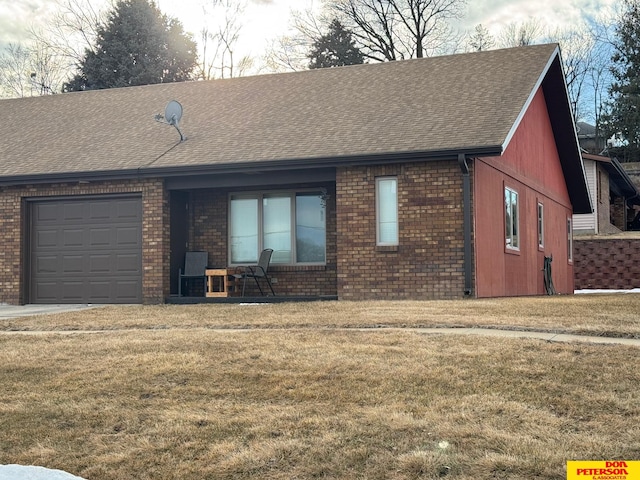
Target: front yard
200 392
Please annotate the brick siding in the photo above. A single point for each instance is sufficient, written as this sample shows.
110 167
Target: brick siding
209 233
428 263
607 263
155 237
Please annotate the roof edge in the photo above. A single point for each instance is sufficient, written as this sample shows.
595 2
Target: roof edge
240 167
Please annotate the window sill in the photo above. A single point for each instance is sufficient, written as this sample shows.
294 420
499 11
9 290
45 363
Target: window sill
297 268
512 251
387 248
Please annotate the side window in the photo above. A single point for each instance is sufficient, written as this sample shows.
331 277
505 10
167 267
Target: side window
512 239
569 240
244 235
540 225
387 211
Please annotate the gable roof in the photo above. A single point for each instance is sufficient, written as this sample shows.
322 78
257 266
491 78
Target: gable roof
619 180
428 108
585 130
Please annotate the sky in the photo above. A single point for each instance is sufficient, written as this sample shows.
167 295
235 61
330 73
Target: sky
265 20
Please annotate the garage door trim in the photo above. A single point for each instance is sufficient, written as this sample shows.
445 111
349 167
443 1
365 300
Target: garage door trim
118 218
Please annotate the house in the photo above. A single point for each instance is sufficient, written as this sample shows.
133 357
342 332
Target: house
589 138
441 177
607 243
613 196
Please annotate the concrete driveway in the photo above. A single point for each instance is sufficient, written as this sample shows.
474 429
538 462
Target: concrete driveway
14 311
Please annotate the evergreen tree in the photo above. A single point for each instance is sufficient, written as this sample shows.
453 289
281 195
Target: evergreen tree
335 49
138 45
623 116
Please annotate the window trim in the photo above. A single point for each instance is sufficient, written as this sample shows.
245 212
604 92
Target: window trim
260 195
540 218
396 242
570 240
509 248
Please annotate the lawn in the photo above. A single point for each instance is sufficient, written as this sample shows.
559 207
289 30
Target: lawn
168 392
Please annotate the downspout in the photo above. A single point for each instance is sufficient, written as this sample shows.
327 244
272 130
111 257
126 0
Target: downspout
466 202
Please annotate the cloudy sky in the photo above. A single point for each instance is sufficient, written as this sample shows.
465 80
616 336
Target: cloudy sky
267 19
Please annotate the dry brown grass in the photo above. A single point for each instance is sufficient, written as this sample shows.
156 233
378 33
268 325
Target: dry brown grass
613 315
160 402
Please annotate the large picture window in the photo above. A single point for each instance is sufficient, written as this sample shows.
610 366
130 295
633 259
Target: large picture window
290 223
387 211
511 219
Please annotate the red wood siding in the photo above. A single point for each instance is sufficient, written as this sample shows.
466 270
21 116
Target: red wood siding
530 166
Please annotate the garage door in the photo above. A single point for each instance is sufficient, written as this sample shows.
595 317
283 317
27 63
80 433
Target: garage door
86 250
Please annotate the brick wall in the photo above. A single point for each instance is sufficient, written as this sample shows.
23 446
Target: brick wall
155 237
429 260
633 170
618 214
155 242
607 263
209 233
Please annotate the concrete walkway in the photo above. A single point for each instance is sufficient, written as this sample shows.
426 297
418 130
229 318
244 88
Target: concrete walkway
14 311
548 336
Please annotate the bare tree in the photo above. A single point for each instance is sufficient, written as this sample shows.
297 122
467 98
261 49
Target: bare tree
14 71
48 70
480 40
600 77
218 42
586 54
41 65
286 54
521 34
30 70
289 52
71 31
399 29
577 46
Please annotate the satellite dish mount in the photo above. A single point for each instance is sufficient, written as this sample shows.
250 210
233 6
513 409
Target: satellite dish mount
172 116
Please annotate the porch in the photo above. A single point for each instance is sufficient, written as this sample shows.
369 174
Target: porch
233 217
175 300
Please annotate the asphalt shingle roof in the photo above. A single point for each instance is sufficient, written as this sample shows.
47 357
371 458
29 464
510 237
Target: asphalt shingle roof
466 101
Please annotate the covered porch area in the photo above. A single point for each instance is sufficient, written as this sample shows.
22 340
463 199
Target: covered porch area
234 216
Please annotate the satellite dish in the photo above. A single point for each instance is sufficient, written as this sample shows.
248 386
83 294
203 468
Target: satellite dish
172 116
173 113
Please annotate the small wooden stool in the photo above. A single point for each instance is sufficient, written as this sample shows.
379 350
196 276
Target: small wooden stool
217 282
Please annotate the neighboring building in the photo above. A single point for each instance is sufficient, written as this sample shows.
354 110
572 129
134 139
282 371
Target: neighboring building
589 139
441 177
607 241
613 197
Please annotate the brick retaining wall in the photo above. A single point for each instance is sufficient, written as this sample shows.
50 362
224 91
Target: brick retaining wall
607 262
